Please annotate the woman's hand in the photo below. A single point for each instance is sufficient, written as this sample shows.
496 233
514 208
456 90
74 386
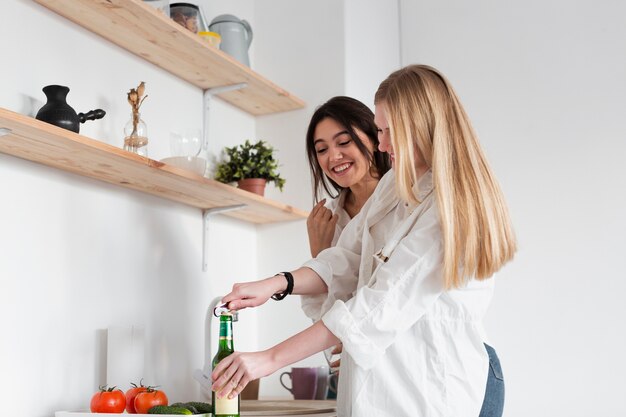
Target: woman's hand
255 293
321 228
336 350
235 371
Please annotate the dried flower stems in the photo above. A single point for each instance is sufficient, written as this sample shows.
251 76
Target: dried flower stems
135 99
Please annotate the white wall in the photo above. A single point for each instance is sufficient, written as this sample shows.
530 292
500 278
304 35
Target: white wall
544 83
78 255
372 39
303 47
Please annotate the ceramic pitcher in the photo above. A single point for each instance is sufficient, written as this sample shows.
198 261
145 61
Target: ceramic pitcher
236 36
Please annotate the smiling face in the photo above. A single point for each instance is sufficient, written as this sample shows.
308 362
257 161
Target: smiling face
384 137
337 154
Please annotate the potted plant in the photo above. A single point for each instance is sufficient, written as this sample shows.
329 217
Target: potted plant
251 166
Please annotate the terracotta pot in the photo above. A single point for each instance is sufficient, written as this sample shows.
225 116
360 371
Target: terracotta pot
254 185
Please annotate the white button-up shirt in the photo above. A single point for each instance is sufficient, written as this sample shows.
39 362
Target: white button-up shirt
410 348
312 304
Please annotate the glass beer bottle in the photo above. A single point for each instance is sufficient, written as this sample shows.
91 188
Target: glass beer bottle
224 407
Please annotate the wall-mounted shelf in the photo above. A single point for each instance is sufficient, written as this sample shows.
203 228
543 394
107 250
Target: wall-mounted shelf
144 31
46 144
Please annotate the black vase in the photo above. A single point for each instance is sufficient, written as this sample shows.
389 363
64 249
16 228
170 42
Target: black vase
57 112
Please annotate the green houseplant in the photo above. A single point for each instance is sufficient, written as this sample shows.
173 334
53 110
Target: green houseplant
248 162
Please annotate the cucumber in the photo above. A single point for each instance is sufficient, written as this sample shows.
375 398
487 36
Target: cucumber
200 406
188 407
168 409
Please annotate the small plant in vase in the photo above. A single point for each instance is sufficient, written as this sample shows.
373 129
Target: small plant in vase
135 131
251 166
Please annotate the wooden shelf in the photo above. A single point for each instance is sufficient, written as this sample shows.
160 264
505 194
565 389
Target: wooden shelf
144 31
46 144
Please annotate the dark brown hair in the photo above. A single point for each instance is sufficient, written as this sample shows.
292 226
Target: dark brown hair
351 114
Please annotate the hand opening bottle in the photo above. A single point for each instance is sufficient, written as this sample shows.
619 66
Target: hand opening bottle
225 407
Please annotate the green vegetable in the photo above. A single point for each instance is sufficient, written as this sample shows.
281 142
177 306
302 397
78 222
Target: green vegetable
200 407
168 409
188 407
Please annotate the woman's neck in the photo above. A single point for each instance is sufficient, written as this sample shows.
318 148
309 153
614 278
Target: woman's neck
358 194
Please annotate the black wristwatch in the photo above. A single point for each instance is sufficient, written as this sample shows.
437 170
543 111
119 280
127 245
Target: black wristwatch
279 296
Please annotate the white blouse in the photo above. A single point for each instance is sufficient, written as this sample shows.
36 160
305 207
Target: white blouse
410 348
312 304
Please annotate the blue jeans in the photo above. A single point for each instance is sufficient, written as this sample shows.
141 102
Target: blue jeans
493 404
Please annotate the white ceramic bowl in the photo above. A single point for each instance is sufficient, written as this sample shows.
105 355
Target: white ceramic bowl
190 163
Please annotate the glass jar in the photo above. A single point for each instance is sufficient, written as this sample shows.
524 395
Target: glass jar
136 135
161 5
188 16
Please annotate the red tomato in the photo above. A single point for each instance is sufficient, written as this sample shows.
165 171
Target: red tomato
108 400
130 396
148 399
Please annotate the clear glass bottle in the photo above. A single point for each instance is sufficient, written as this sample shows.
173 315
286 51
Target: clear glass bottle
136 135
224 407
161 5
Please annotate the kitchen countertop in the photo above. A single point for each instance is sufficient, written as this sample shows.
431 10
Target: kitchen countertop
253 408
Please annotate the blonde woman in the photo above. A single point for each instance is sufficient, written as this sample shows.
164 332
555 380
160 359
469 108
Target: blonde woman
411 272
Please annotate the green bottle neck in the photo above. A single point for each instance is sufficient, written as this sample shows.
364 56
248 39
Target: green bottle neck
226 333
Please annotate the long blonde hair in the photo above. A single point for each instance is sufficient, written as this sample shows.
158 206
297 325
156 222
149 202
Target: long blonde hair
428 122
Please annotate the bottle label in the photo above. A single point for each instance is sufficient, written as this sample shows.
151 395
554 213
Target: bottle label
226 406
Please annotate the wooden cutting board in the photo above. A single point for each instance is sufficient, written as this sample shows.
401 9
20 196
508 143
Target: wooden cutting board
286 407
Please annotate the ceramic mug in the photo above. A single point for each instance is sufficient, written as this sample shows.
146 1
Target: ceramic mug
303 382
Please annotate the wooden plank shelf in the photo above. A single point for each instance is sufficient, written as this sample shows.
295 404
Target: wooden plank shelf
53 146
144 31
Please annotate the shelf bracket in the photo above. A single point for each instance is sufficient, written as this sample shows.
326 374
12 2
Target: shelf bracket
4 131
206 214
207 96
